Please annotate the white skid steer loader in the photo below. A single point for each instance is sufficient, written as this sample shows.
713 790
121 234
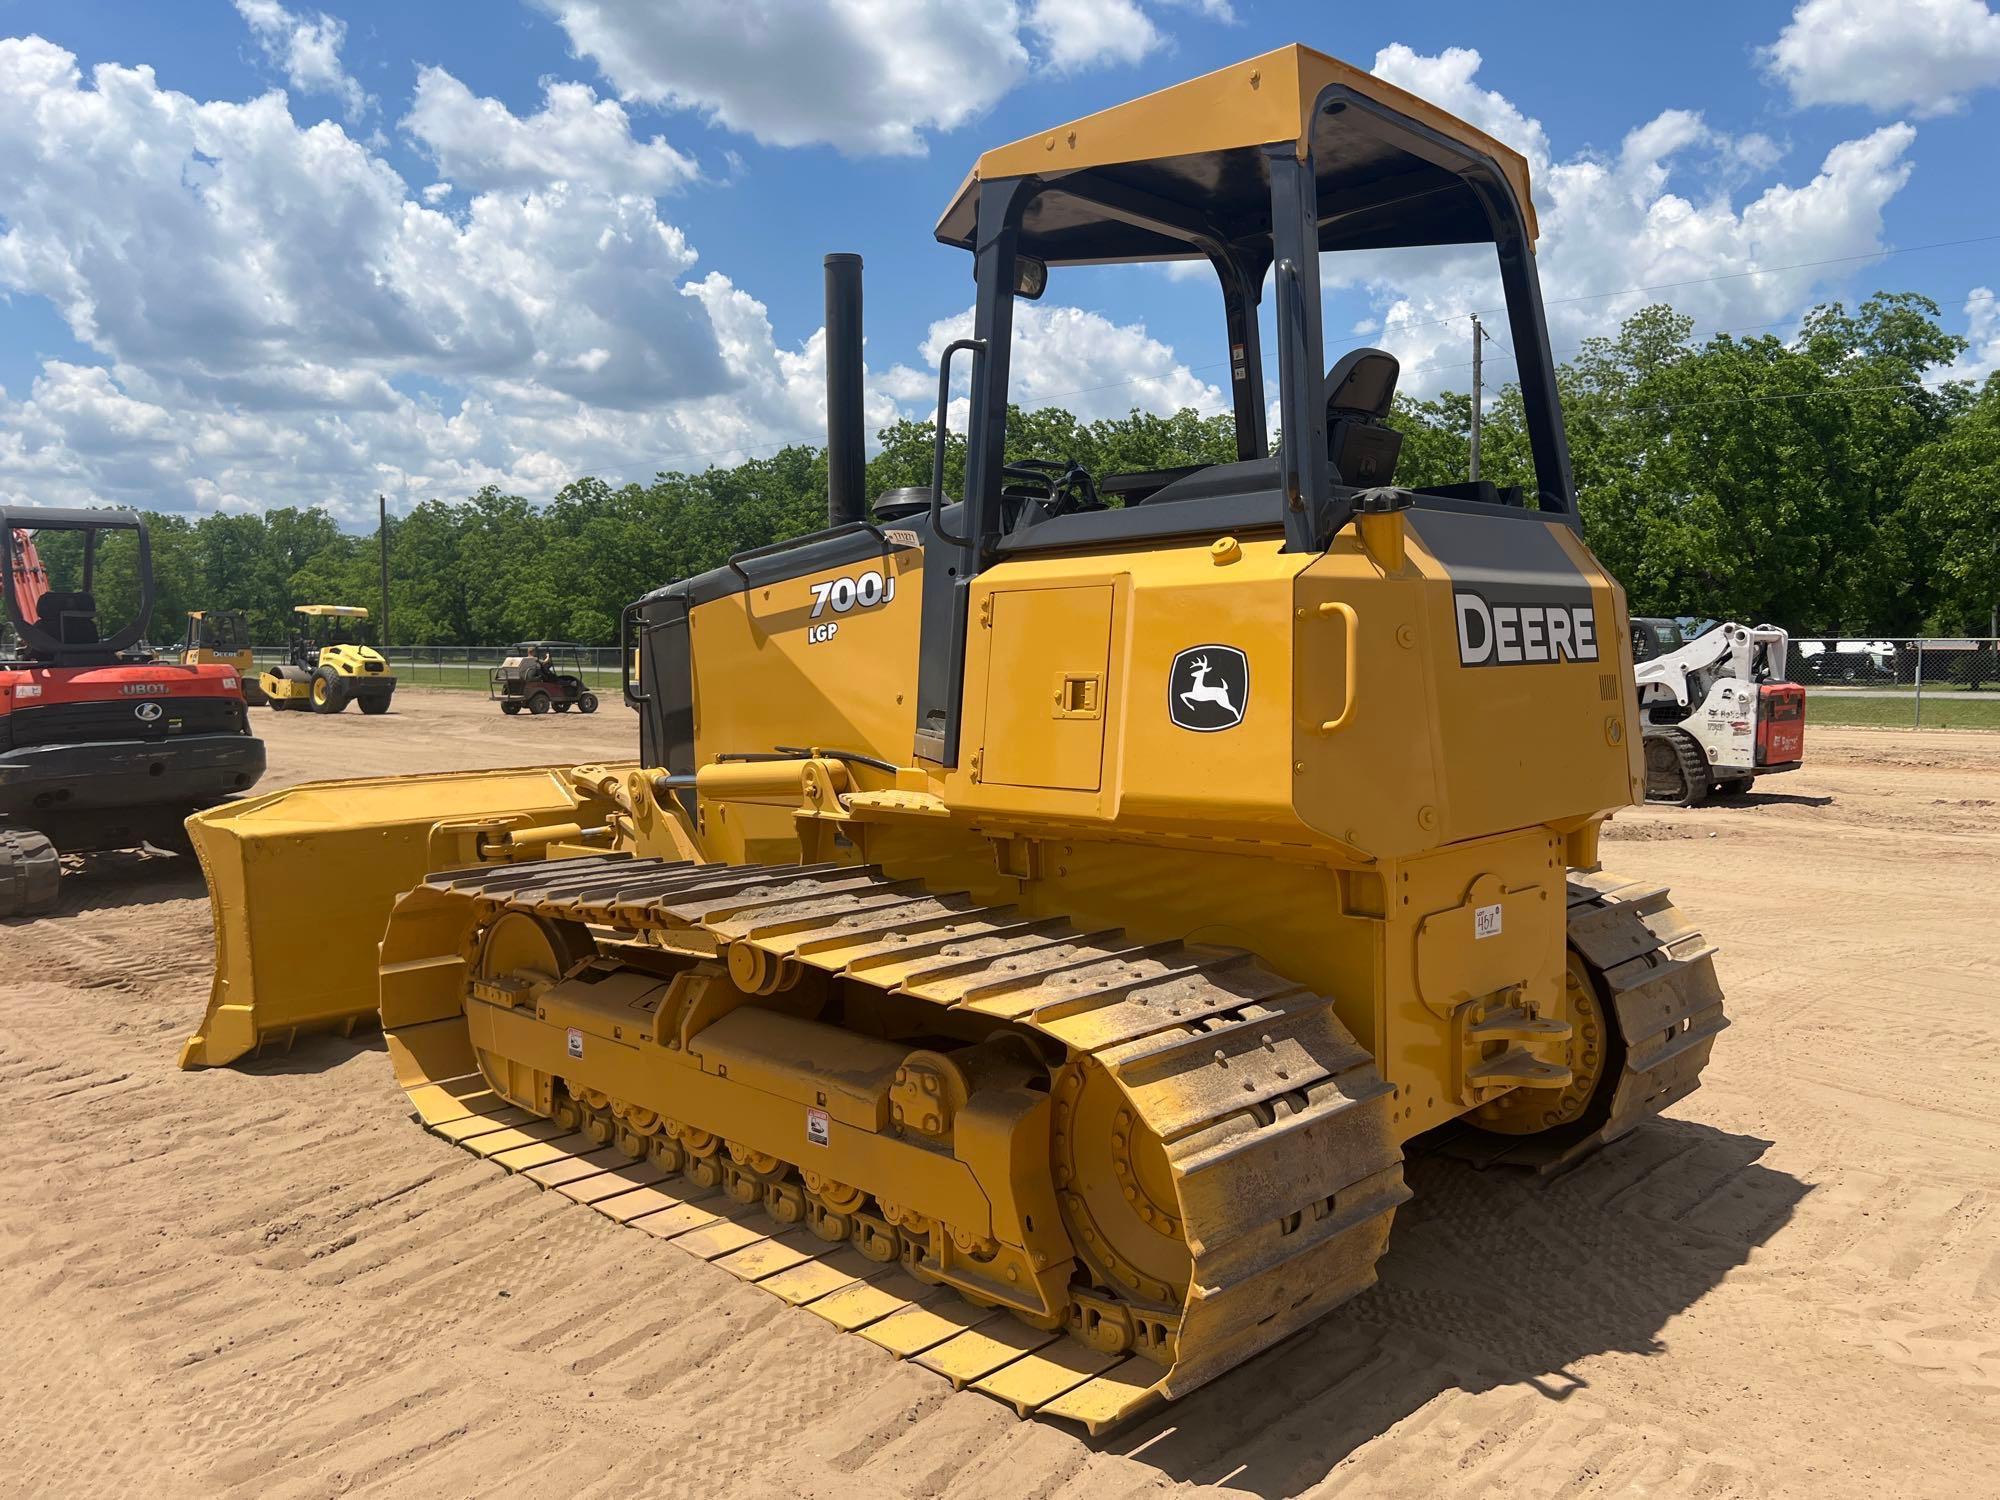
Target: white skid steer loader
1717 710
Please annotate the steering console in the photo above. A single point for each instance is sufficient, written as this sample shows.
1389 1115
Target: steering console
1039 489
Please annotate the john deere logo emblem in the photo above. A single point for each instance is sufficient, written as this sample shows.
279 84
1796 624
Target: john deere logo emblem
148 711
1209 688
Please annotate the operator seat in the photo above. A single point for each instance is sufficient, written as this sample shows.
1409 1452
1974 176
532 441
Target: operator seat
1359 392
70 617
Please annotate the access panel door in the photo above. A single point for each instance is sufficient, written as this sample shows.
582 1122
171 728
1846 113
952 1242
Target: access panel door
1046 684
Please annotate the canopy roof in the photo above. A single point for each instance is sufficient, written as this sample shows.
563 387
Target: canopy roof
354 610
56 518
1145 179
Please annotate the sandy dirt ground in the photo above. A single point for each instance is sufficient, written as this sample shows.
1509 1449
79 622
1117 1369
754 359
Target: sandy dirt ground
267 1281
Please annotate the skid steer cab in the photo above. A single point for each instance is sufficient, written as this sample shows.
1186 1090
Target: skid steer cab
539 676
221 637
330 664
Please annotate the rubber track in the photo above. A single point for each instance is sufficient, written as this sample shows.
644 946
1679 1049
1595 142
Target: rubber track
1274 1119
30 872
1695 776
1658 973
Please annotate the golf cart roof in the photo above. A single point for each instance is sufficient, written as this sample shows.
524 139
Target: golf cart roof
350 611
545 646
1150 179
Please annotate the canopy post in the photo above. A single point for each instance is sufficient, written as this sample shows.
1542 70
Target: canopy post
1301 360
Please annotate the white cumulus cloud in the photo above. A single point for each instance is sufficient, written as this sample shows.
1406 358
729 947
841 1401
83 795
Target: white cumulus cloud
1668 214
1923 56
1982 336
199 239
866 76
1076 359
576 138
1084 33
280 319
307 48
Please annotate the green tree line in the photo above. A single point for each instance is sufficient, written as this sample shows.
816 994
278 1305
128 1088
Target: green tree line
1830 482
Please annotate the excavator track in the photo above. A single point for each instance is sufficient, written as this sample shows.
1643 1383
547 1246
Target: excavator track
1644 960
1244 1130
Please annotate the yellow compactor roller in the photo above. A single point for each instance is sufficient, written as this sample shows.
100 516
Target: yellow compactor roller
329 664
1035 925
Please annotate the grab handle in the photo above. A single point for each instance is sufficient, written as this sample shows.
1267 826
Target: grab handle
1353 624
940 433
634 695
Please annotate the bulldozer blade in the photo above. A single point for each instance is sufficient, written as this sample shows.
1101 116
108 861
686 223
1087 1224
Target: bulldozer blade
301 883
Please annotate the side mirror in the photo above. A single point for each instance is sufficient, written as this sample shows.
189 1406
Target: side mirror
1031 277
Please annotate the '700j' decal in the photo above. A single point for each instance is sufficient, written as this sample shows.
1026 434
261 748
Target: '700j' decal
840 595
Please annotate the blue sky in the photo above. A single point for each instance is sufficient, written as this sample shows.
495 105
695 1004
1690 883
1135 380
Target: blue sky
320 251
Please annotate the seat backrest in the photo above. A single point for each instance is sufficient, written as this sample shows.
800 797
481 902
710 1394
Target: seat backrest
71 617
1360 390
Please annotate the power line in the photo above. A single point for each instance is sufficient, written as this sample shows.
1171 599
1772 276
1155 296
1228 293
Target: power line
1858 390
1804 265
1667 286
1570 350
1584 297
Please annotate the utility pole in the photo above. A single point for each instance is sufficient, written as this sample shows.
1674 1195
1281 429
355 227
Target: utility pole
382 502
1478 338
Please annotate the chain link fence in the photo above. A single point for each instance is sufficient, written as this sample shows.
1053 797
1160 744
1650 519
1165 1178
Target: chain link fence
470 667
1946 682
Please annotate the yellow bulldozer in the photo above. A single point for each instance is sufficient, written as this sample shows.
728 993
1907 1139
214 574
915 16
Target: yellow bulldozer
1035 925
223 636
330 663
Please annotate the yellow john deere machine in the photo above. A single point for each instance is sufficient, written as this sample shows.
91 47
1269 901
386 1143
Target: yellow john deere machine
1078 895
330 664
223 636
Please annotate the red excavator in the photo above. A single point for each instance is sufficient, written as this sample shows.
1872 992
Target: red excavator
102 744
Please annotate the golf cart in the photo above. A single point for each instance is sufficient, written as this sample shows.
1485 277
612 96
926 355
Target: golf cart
539 676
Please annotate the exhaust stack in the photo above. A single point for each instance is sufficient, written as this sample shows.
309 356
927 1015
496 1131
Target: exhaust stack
846 443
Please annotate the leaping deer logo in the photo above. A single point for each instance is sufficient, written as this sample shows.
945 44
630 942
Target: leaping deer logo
1201 690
